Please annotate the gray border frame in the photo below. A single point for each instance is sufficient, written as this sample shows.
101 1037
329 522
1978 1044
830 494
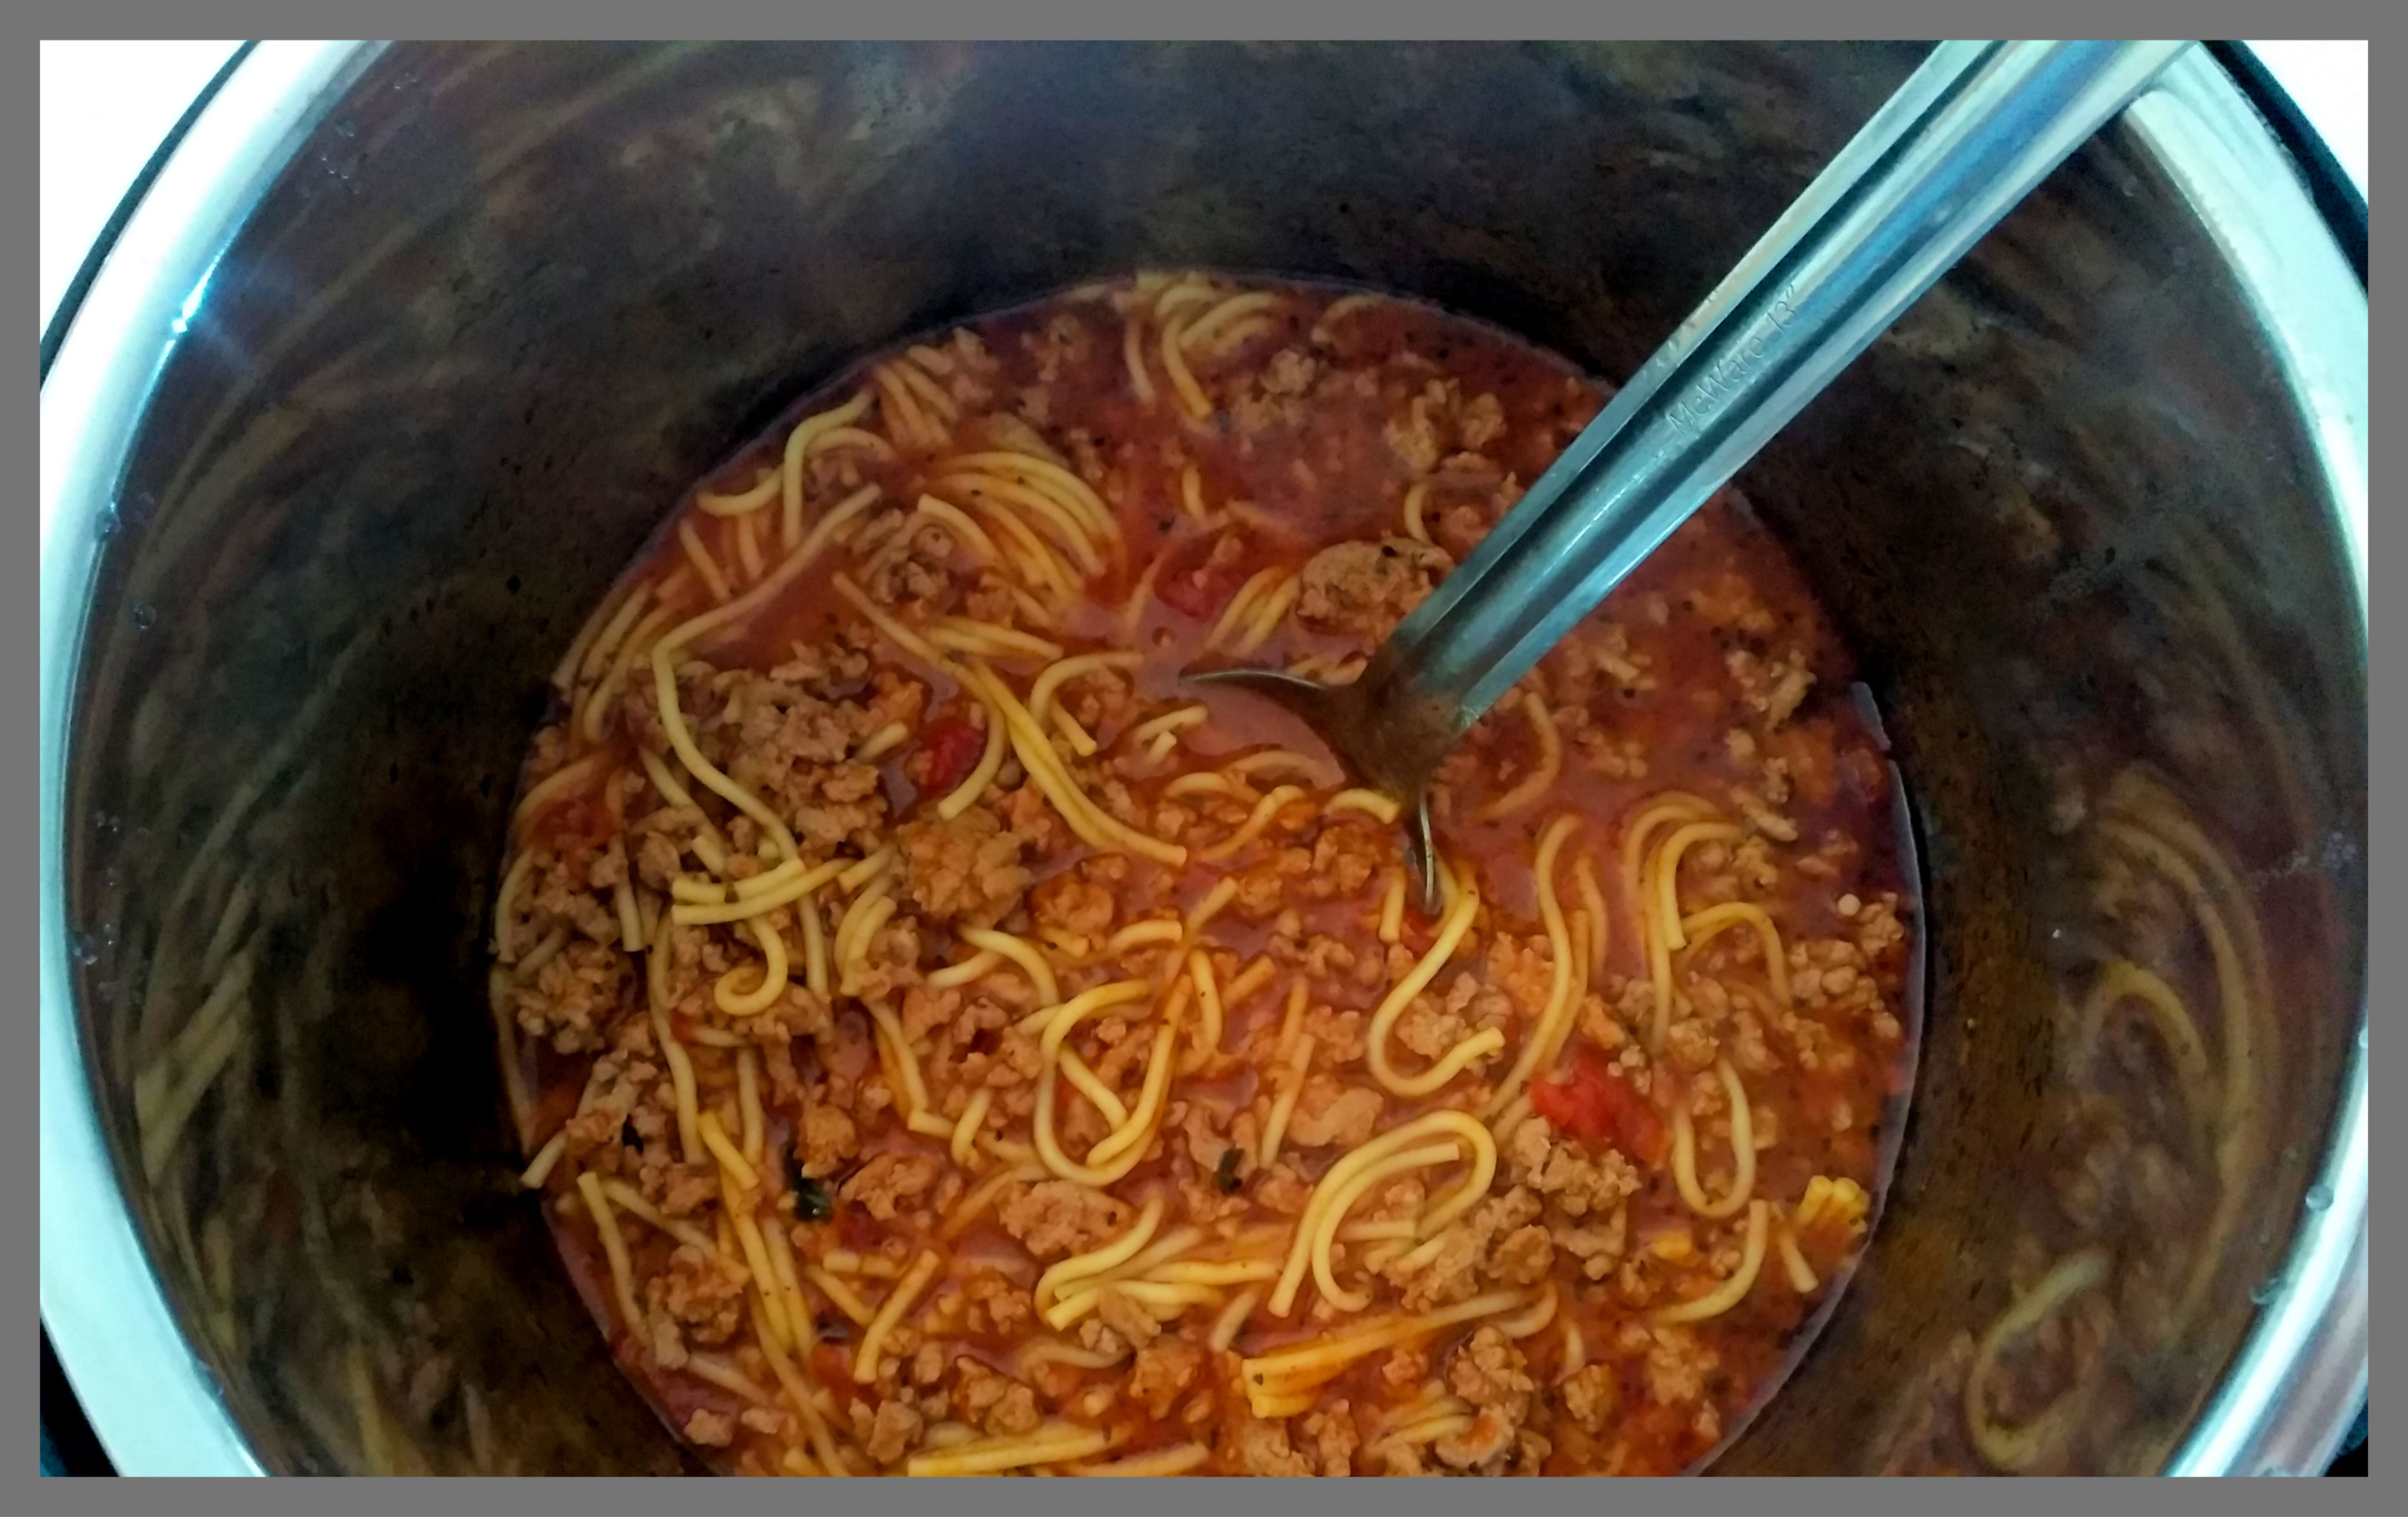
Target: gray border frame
599 1496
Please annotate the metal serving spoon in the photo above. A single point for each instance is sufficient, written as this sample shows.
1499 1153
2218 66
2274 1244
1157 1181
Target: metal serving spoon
1943 160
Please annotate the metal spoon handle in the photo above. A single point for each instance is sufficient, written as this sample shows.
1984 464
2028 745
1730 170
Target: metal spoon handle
1962 141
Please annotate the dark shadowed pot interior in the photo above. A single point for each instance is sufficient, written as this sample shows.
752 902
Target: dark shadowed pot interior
331 481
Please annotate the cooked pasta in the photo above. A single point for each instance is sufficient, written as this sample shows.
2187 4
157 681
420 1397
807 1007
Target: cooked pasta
954 1046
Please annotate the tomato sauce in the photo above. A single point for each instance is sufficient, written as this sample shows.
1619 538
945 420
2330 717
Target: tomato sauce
1332 420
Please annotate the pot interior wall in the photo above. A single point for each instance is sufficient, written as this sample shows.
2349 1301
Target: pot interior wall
507 301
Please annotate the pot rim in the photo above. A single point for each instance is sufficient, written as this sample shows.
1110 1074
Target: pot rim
103 1305
2284 1402
2287 1398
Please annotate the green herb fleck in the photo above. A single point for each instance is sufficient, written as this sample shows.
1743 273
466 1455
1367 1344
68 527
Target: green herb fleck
1225 1174
813 1202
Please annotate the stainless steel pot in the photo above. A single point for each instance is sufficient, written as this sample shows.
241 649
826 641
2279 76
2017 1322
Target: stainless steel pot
406 349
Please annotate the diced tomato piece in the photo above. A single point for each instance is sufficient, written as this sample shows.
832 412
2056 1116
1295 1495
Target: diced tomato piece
953 747
584 818
1193 585
558 1103
1811 749
681 1396
829 1364
854 1226
1597 1106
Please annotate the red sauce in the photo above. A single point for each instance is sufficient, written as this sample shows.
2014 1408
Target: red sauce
1711 673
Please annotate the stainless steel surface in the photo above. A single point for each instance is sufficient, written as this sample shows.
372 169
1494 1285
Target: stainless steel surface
1961 142
474 315
2303 1370
151 1399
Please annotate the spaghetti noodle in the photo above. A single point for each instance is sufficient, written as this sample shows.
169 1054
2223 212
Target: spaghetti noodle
950 1046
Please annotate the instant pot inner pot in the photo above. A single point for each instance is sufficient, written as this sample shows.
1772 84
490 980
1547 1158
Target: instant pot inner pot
505 302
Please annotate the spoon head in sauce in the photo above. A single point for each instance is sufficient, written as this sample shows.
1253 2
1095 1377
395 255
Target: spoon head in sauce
1350 722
